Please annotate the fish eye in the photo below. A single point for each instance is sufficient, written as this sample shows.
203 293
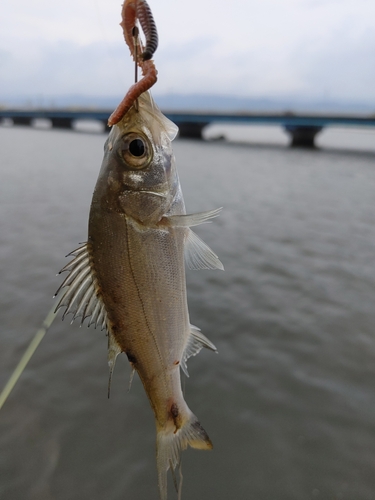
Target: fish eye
136 151
137 147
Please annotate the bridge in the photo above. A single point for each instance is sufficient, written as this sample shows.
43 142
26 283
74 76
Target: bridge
302 127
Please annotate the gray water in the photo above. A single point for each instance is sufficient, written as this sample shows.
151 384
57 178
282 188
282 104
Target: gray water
289 401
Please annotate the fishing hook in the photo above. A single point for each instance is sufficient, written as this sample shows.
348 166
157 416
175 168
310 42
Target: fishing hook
133 10
135 33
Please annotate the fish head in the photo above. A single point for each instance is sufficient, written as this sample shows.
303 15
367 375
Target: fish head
138 175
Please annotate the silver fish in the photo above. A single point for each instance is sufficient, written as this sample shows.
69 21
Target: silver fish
129 278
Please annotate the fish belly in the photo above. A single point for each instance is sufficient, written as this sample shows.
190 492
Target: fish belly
141 278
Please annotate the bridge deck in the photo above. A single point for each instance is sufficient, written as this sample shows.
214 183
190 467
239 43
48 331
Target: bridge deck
205 117
302 127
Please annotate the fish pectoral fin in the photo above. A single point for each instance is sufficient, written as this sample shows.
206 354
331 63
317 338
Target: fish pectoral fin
189 220
113 351
79 297
198 255
195 342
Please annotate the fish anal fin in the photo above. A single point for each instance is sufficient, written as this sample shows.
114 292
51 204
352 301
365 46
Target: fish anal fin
198 255
195 342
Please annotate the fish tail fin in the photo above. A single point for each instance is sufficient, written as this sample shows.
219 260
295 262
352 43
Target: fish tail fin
174 437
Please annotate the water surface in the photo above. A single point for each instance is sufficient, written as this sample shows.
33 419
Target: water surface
288 402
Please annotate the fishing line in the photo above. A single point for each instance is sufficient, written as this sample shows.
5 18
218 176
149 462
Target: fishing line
9 386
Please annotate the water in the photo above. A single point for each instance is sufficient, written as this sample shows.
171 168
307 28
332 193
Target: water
289 402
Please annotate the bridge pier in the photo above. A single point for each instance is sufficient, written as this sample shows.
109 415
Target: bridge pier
21 120
303 136
58 122
191 130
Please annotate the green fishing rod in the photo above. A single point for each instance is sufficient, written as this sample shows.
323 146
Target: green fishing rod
32 347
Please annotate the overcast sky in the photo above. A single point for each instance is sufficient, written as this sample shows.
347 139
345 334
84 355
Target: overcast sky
271 48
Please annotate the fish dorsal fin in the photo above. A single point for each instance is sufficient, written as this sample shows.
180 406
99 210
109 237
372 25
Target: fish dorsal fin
196 340
198 255
79 296
113 351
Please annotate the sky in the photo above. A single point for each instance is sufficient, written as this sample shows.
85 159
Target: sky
318 49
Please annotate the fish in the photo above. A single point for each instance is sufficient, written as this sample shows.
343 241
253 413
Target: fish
129 277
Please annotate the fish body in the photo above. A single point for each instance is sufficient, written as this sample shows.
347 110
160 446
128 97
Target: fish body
130 276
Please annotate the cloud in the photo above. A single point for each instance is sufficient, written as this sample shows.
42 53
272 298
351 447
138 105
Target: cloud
65 67
258 47
339 65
